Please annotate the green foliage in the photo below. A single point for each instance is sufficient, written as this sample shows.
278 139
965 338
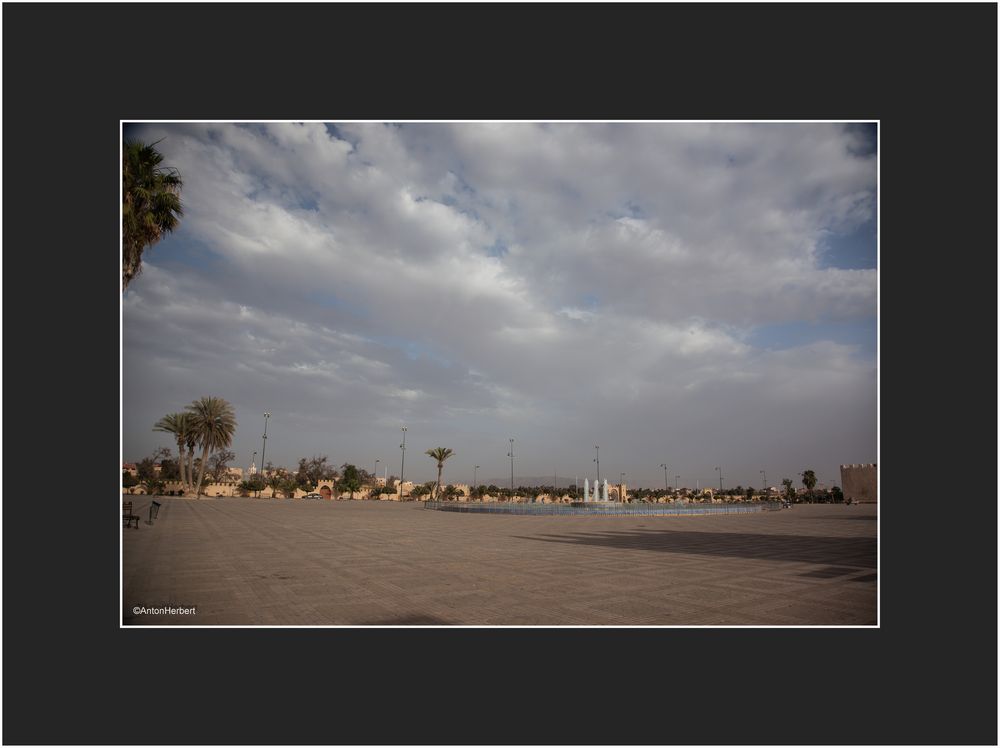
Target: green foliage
129 480
146 469
836 494
170 470
151 204
213 422
154 486
252 485
178 424
440 454
789 490
809 479
350 481
311 471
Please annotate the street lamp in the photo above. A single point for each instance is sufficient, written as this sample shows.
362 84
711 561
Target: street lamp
402 463
764 473
666 483
475 483
511 456
720 478
263 449
598 461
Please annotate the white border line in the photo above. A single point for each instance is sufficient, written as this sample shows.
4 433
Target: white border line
878 370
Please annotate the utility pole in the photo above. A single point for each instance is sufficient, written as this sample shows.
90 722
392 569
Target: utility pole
598 461
720 478
765 480
666 483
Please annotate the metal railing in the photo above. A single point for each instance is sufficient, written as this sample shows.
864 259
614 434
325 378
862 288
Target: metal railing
613 509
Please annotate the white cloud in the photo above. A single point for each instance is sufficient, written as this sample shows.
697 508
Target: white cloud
558 279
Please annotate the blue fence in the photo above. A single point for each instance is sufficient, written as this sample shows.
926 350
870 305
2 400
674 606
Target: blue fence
613 509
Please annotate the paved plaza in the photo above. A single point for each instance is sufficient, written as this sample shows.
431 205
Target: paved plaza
241 561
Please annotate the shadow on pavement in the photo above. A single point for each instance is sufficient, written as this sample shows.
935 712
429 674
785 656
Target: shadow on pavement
798 548
413 620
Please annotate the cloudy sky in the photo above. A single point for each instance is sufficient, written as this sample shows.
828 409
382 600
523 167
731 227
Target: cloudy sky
696 294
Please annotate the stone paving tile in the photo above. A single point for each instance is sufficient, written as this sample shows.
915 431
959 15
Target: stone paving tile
247 561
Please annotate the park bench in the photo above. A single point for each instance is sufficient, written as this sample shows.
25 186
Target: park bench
154 510
127 517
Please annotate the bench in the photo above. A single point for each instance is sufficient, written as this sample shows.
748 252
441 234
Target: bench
127 517
154 510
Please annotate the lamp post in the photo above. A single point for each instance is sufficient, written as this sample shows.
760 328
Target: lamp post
402 463
720 478
666 483
764 473
598 461
511 456
475 483
263 449
253 462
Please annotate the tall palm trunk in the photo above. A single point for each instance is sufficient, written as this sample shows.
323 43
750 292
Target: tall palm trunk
201 471
190 471
180 464
437 493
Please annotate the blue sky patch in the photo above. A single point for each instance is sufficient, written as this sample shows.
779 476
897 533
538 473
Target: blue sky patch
857 250
793 334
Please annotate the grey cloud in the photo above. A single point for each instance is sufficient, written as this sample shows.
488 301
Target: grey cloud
350 282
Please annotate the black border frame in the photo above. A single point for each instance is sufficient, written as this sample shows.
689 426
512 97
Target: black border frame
926 71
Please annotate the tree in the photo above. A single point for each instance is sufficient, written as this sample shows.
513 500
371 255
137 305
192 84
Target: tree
144 469
214 422
749 494
836 494
350 480
419 491
440 454
154 486
178 424
129 480
789 491
169 470
312 471
450 492
253 484
218 463
809 480
151 203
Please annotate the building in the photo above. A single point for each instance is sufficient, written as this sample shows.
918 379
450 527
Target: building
860 483
130 468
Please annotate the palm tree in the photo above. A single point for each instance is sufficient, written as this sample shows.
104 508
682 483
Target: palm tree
151 203
178 424
809 479
440 454
213 422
